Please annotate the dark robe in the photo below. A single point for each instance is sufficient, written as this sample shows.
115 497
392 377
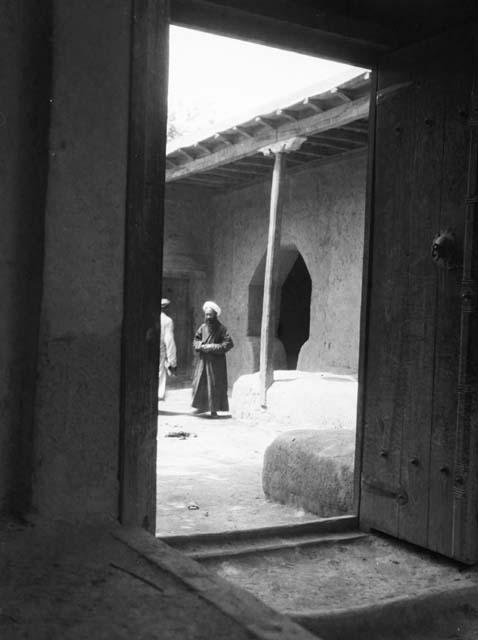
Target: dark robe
211 342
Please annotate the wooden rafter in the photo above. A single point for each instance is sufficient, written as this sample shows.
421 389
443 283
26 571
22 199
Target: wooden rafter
331 137
341 94
184 153
319 122
253 163
225 170
202 147
340 146
243 132
285 113
310 102
222 138
264 122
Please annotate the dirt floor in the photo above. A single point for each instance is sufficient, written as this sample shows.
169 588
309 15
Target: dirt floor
374 587
378 569
209 480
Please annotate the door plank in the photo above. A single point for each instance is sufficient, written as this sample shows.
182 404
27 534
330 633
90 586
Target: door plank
385 382
421 382
448 313
424 179
465 489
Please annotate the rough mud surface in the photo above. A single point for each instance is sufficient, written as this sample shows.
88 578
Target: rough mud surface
343 575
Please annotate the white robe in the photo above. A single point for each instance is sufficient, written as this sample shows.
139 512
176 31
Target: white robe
167 352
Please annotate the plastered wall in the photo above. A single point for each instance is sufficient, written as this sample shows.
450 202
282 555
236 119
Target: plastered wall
78 394
323 216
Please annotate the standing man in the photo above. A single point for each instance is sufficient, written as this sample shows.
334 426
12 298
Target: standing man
167 349
211 342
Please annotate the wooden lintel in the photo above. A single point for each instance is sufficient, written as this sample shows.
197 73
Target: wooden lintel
330 119
320 33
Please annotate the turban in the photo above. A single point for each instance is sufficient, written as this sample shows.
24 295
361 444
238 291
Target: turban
212 305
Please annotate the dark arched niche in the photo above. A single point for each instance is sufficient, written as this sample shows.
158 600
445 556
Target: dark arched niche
293 303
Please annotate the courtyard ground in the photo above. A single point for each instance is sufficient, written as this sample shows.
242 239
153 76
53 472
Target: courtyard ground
209 472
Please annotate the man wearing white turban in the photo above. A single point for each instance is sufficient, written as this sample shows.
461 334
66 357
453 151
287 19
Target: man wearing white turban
211 342
167 349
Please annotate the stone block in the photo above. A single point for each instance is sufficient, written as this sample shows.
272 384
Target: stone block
312 469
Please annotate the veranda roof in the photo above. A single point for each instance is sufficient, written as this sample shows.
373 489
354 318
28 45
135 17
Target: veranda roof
335 122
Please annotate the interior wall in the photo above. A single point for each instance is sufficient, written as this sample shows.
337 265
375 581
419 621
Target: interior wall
24 113
323 217
78 394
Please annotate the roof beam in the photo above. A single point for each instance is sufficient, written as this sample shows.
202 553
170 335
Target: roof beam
330 119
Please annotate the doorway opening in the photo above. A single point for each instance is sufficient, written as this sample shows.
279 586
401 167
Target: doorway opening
176 289
218 474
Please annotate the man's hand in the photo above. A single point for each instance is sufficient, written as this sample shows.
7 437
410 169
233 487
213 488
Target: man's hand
172 370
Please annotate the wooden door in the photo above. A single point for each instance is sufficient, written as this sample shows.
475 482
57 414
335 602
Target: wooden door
176 289
419 467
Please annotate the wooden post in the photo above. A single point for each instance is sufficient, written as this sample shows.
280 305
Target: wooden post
144 234
269 303
270 279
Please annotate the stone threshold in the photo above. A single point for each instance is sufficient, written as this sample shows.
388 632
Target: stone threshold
230 544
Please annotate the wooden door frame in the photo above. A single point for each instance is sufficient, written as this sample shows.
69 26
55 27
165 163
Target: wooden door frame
150 20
